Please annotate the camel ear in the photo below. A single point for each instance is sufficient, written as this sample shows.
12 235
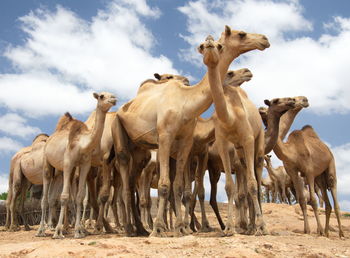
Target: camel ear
267 102
95 95
227 31
157 76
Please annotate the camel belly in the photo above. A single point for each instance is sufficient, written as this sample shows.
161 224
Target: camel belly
33 171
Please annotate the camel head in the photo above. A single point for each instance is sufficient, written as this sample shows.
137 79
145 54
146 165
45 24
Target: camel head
263 114
239 42
105 100
301 102
236 78
210 50
267 158
167 76
280 105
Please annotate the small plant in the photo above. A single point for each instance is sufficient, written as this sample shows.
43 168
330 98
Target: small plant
3 196
346 215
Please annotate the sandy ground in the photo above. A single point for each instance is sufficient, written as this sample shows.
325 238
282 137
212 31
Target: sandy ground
285 240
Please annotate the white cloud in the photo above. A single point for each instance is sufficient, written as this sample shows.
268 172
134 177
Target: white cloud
14 124
65 57
344 205
3 183
8 145
293 65
341 154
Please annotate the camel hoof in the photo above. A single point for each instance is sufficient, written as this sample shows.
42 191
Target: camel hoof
27 228
58 235
13 228
206 228
158 230
40 233
188 230
240 230
229 229
80 233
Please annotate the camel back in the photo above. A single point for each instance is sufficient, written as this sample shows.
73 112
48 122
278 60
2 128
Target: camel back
63 121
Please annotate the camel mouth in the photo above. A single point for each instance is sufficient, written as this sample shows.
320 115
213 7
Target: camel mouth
263 45
113 102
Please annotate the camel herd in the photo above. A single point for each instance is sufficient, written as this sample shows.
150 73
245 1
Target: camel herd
158 140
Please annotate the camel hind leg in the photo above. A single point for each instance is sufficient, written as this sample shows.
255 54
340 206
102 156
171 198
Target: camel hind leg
332 184
321 182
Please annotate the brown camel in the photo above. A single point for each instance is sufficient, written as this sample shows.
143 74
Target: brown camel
269 188
304 152
69 147
164 116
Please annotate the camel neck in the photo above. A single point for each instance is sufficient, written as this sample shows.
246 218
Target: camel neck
281 150
271 135
286 122
201 94
204 131
269 167
97 130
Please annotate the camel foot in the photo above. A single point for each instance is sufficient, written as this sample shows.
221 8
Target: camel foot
206 228
141 231
119 229
307 231
108 227
240 230
129 230
89 224
41 232
181 230
261 231
27 228
159 229
14 228
229 230
80 232
320 231
98 230
341 234
58 234
251 230
188 229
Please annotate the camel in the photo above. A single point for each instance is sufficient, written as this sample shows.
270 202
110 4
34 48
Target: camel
280 178
164 116
269 188
204 134
233 123
306 154
71 146
26 169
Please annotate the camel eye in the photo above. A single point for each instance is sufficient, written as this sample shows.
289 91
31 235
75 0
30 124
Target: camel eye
231 74
170 77
242 34
102 96
219 47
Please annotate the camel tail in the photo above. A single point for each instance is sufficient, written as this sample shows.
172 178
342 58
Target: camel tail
331 175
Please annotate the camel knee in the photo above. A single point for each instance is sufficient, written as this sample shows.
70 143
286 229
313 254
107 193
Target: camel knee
260 162
187 196
143 202
229 189
64 199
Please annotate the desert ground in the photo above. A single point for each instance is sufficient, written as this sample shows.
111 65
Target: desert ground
285 240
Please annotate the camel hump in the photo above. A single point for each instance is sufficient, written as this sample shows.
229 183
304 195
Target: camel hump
77 128
64 121
44 136
149 81
309 131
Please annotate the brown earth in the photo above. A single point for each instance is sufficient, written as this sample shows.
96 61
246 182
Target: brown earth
285 240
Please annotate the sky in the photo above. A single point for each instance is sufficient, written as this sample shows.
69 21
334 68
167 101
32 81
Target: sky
55 54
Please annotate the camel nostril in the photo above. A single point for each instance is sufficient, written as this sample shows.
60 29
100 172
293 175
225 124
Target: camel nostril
201 46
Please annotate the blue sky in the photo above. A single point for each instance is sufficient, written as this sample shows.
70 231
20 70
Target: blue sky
54 54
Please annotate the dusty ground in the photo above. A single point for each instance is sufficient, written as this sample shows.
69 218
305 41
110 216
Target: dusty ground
285 240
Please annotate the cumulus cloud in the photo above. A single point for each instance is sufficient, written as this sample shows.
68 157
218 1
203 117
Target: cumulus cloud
3 183
64 58
295 64
342 154
8 145
14 124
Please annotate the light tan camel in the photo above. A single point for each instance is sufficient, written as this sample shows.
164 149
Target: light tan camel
269 188
203 135
69 147
304 152
164 116
237 120
280 178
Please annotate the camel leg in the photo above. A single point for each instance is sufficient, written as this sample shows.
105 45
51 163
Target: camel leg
201 167
333 185
299 187
16 190
67 173
319 196
182 169
321 182
194 202
145 183
103 196
229 185
214 177
25 187
9 198
79 229
241 224
165 140
114 205
313 201
47 176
